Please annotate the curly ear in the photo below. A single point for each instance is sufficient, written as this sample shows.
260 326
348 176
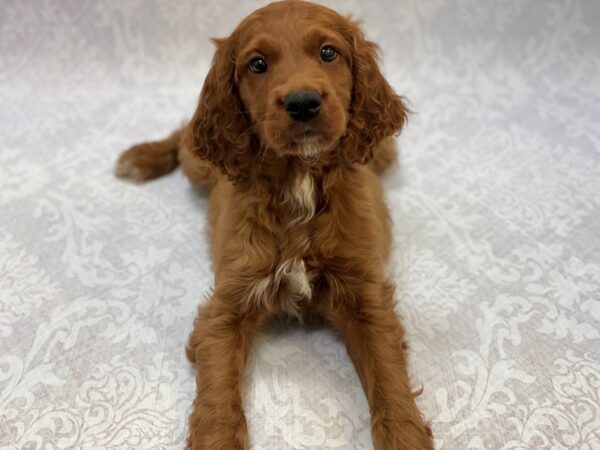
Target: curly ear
219 129
376 111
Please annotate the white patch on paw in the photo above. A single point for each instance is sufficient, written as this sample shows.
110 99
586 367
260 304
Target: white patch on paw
126 169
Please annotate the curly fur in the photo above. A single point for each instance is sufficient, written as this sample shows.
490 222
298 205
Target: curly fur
298 224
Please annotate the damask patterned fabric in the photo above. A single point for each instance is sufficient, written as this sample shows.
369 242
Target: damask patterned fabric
496 209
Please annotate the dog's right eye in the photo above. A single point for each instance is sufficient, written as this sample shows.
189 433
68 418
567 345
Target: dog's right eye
328 54
258 65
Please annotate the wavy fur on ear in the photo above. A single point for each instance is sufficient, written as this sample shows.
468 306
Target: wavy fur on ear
219 131
376 111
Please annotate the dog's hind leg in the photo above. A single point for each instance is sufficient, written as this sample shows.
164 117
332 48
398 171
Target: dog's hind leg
384 155
153 159
150 159
201 173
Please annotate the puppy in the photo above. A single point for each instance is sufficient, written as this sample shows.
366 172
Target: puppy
293 123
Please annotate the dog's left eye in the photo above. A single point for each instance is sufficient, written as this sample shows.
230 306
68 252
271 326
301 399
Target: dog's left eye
328 54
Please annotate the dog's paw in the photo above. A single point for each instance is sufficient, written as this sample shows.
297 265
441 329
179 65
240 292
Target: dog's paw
126 166
143 162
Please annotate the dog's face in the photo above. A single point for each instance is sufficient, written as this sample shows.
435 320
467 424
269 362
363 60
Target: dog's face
294 75
297 79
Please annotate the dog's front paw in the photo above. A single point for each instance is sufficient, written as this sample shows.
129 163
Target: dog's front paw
229 439
401 435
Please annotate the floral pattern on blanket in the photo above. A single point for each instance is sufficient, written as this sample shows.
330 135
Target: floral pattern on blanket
495 203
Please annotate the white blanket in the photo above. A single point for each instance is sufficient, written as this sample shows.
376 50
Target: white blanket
496 209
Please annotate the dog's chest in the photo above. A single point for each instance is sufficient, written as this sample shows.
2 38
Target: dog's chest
293 274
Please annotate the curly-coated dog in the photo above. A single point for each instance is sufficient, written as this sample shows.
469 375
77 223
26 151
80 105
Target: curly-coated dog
293 124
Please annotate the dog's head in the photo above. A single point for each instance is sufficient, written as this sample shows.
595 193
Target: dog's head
296 79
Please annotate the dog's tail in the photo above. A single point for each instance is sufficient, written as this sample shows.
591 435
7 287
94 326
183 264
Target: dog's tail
150 159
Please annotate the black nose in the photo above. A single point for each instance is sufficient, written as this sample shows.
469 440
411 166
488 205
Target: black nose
303 105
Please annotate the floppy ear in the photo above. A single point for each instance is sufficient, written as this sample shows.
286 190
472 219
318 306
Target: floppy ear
376 111
218 131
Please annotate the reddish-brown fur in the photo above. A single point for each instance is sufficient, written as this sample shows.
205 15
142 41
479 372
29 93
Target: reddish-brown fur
298 224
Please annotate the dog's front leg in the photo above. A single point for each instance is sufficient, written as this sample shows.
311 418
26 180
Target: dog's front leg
219 345
375 343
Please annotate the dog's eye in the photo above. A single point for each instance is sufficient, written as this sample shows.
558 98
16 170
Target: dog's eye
328 54
258 65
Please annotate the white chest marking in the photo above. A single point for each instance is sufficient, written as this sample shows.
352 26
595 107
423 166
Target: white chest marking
301 198
291 280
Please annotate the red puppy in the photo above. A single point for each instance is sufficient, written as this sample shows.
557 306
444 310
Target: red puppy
291 128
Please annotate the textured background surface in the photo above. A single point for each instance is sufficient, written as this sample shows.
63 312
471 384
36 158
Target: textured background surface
496 206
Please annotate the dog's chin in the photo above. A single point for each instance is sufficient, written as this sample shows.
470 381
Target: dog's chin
306 149
307 145
304 141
